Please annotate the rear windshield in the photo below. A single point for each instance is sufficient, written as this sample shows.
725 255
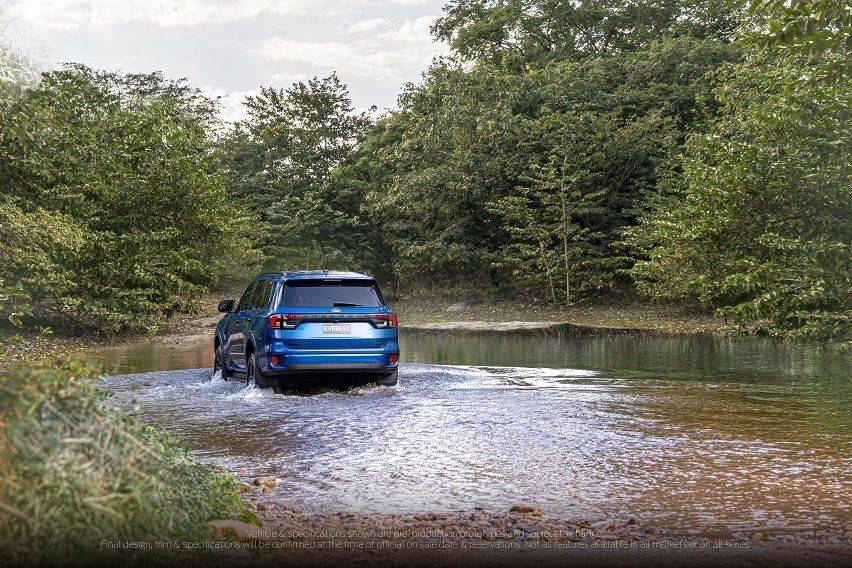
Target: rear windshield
331 293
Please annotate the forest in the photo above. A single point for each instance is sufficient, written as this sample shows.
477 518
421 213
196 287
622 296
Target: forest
564 152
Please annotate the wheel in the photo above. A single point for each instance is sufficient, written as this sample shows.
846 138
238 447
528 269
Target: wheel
219 363
388 380
254 377
251 372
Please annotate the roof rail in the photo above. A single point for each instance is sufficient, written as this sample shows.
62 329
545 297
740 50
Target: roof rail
323 271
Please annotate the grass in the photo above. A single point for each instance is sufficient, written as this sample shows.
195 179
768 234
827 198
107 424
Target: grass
75 470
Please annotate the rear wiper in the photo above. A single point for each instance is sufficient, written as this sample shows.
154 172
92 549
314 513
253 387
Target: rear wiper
345 305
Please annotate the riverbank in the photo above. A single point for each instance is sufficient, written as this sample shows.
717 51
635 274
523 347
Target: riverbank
425 312
507 327
522 536
525 534
440 314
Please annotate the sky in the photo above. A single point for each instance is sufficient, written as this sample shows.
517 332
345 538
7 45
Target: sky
231 47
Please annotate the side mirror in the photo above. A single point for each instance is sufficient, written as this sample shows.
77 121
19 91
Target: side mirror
226 306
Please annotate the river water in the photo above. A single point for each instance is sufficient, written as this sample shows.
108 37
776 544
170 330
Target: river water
696 435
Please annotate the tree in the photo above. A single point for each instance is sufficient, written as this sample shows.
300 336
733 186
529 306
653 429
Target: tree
544 30
810 27
761 228
281 160
471 174
114 207
581 190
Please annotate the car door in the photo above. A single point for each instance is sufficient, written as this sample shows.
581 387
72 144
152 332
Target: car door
255 329
235 330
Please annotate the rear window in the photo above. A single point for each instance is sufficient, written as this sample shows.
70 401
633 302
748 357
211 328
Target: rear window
331 293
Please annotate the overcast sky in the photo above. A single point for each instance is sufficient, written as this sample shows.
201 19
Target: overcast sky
230 47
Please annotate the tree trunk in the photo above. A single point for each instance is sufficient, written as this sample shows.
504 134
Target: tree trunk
547 271
565 231
565 250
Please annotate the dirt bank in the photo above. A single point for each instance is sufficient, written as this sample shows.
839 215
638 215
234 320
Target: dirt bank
545 328
666 318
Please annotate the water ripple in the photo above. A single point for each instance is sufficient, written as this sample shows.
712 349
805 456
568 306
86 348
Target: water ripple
709 456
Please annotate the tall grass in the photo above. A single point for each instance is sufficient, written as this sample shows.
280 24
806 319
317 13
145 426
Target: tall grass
74 471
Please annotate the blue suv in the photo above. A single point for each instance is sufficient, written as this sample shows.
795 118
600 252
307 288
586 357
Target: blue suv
296 323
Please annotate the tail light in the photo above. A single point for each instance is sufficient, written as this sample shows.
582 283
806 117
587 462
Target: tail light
291 321
284 321
384 320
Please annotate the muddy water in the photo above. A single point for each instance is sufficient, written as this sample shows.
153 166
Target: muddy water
697 435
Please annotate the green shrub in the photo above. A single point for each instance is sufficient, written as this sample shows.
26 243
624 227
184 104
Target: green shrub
761 228
75 470
114 207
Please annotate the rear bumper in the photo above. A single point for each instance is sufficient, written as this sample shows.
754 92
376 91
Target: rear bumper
330 369
289 362
305 350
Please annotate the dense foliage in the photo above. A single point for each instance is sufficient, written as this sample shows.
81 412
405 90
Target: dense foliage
535 31
809 27
281 161
680 149
524 181
74 470
760 228
564 152
760 225
114 207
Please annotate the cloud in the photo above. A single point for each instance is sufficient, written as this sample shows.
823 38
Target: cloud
288 78
395 54
232 108
366 25
411 31
72 14
236 44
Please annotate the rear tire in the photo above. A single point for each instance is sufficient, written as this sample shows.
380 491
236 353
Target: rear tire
388 380
254 377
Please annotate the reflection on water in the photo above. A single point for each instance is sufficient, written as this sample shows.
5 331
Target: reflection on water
712 435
